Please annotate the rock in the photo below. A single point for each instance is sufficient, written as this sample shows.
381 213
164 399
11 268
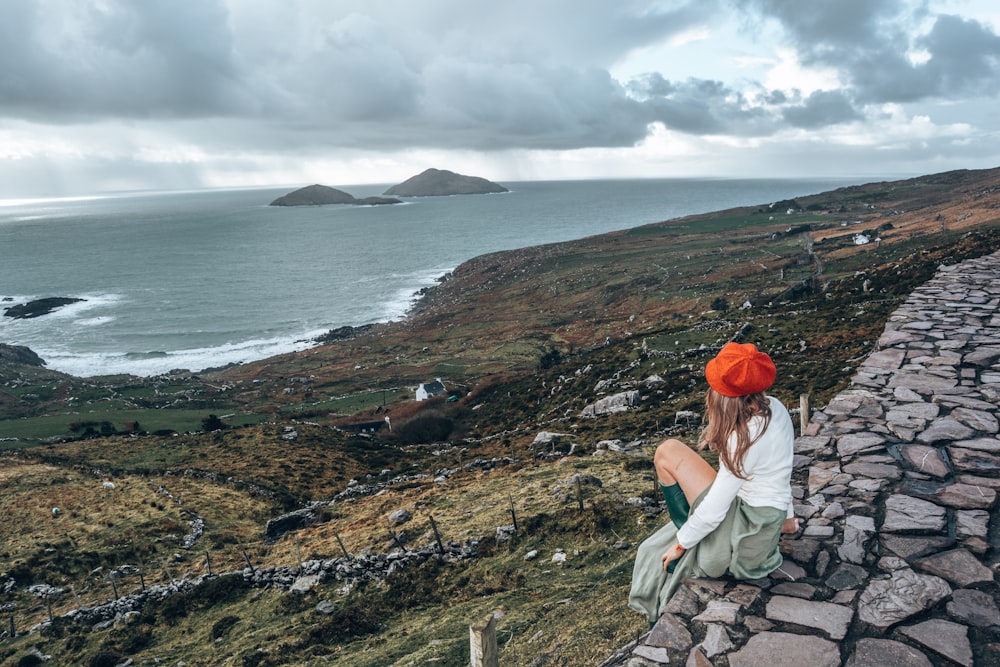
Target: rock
20 355
874 470
789 571
834 619
905 593
719 611
697 659
949 639
654 653
915 547
716 640
869 652
548 437
959 496
925 459
321 195
325 608
976 419
944 430
905 513
852 443
980 444
38 307
782 649
957 566
970 460
972 523
744 594
794 589
846 577
856 535
820 476
441 182
670 632
974 608
304 584
611 404
684 603
400 516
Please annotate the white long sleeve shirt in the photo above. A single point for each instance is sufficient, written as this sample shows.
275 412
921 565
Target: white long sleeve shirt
768 468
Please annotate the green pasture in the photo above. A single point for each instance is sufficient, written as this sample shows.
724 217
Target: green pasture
47 426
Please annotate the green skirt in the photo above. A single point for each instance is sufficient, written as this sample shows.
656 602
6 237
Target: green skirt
744 545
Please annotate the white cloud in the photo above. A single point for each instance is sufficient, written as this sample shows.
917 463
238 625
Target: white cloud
160 93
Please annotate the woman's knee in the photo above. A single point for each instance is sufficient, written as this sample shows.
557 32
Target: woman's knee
667 453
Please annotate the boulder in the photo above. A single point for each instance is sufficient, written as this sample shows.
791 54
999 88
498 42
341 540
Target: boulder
19 354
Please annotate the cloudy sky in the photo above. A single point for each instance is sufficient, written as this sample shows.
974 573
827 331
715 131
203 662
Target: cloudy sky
100 95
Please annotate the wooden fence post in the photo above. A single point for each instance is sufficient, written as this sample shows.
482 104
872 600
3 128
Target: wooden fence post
803 413
246 557
483 643
347 554
513 514
437 536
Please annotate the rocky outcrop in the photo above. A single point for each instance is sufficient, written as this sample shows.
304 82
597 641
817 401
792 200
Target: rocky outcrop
38 307
20 355
321 195
896 485
441 182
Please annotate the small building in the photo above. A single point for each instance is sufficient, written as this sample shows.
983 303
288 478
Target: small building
430 390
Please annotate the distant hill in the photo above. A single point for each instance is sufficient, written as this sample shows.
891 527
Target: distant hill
441 182
320 195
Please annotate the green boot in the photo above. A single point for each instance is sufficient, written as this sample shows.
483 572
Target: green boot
678 507
677 504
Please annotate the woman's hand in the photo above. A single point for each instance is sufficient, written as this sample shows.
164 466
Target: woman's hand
673 553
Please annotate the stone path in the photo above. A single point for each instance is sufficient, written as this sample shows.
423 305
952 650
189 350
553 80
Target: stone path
896 484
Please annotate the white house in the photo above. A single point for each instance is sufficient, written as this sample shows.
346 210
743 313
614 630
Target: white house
431 389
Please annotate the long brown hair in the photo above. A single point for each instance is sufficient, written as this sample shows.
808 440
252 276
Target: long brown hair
728 415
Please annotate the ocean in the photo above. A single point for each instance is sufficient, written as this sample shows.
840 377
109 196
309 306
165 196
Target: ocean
199 279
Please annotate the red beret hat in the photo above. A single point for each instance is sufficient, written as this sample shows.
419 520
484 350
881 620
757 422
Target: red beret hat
740 369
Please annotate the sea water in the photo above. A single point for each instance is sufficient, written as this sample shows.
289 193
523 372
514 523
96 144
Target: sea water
199 279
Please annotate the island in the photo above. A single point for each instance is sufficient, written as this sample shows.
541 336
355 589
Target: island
321 195
441 182
38 307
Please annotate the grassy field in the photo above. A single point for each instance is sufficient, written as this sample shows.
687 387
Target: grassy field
616 310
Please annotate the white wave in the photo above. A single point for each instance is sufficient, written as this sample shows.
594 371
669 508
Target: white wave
95 321
402 301
160 362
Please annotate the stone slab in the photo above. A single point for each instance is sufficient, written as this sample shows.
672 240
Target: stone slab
833 619
783 649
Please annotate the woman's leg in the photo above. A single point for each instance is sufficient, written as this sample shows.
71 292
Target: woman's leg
676 463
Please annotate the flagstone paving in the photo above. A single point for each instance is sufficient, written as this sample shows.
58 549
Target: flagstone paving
896 486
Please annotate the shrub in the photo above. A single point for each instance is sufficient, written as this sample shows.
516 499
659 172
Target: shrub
223 625
212 423
549 359
720 303
427 427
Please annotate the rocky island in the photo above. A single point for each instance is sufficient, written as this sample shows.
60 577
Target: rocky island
441 182
321 195
38 307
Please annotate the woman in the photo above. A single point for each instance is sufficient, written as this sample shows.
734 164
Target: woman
738 512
